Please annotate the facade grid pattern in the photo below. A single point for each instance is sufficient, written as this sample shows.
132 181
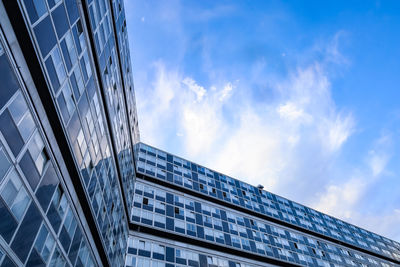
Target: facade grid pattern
78 188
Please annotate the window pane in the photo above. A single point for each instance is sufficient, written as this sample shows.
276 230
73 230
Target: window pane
9 192
9 83
72 9
26 127
60 20
52 74
29 169
68 98
4 164
40 7
27 232
18 108
45 36
20 204
59 66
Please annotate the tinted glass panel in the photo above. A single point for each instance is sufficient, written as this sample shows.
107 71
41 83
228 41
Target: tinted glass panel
47 187
73 252
60 20
7 262
8 224
54 217
4 164
63 108
52 74
31 10
27 232
35 259
29 169
9 83
18 108
64 50
45 36
10 133
72 10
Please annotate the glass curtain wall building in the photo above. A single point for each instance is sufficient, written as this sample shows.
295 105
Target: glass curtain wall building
180 200
68 124
77 188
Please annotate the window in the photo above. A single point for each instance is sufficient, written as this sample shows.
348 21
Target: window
15 195
191 227
87 64
179 253
159 218
22 117
143 245
58 259
141 262
190 214
79 82
60 20
217 222
179 224
158 249
160 205
45 36
58 65
38 152
4 163
44 243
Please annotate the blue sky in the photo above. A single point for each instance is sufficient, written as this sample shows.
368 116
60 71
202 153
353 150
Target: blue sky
300 96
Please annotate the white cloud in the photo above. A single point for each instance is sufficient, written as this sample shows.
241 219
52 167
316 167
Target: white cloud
290 111
261 142
339 200
336 131
345 199
194 87
226 92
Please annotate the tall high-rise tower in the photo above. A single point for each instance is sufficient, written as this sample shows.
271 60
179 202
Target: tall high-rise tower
68 124
77 188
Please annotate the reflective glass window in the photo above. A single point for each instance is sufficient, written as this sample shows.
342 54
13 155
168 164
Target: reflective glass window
10 132
72 10
29 169
38 152
45 36
27 232
4 164
60 20
15 195
9 83
52 74
44 243
58 65
47 187
35 8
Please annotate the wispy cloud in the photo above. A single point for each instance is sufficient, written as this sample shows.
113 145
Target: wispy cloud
224 128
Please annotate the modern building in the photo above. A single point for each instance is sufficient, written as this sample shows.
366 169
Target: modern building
77 188
221 221
68 124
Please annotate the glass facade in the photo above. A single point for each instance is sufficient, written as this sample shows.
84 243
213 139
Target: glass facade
39 223
172 211
145 251
65 205
77 188
247 217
